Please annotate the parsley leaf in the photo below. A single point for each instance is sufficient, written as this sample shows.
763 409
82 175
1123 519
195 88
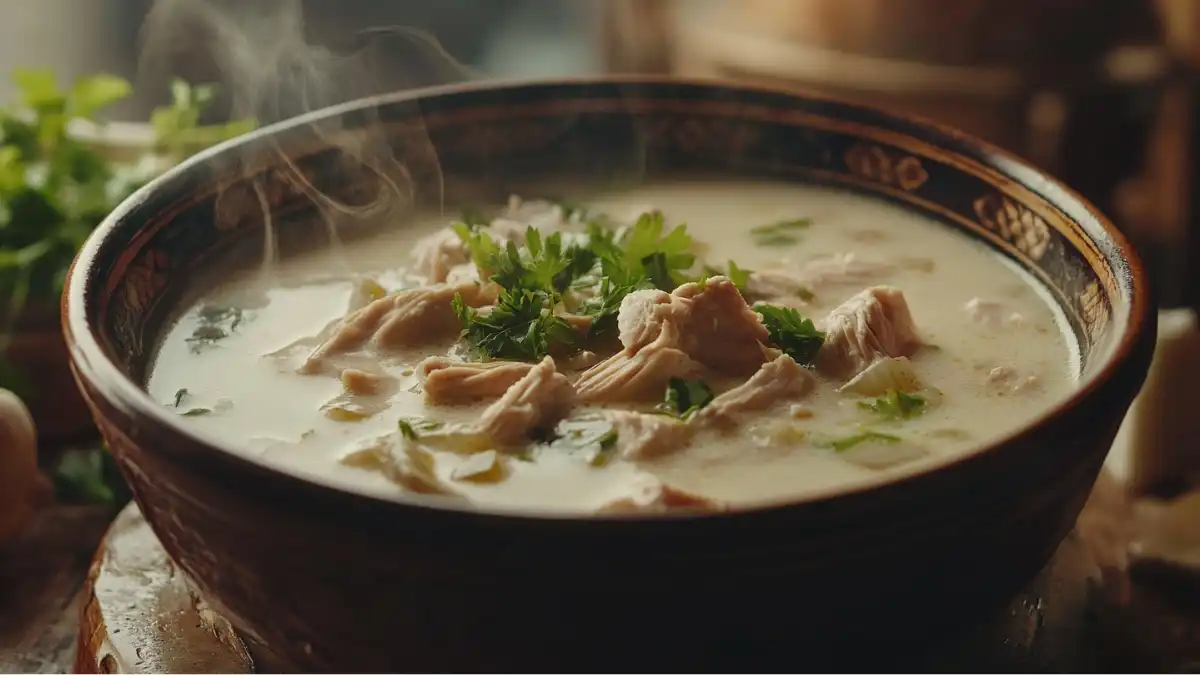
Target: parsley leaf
685 398
843 444
896 405
643 252
518 327
781 233
740 277
603 308
797 336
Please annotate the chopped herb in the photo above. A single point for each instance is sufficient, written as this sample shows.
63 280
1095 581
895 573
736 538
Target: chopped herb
781 233
603 308
607 443
519 327
180 396
215 323
407 430
474 218
197 412
541 265
420 424
896 405
740 277
685 398
797 336
843 444
644 253
177 127
805 294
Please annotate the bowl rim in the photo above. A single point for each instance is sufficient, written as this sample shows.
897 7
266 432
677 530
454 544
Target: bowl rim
89 361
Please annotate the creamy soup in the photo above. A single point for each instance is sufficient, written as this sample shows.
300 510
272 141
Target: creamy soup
786 340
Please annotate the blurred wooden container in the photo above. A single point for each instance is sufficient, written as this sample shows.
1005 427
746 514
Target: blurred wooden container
1015 72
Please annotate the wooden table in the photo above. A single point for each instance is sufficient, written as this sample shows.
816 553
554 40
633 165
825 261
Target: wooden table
1084 612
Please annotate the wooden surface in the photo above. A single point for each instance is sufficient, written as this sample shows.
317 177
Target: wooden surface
1083 613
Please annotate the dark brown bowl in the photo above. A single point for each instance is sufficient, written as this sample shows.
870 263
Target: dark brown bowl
317 578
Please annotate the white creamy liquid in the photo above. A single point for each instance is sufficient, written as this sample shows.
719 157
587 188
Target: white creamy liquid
264 409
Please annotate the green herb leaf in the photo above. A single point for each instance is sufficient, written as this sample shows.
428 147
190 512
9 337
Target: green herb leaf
782 233
644 253
685 398
797 336
519 327
603 308
843 444
180 396
607 445
197 412
407 430
896 405
94 93
177 127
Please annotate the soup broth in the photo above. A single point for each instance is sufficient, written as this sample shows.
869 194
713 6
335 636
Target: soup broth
789 340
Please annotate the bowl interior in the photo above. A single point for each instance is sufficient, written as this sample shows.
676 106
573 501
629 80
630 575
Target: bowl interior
364 165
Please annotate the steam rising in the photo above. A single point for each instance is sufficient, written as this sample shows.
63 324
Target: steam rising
260 54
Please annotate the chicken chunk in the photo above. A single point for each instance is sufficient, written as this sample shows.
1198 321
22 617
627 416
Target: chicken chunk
720 330
842 269
538 400
649 494
449 382
640 373
714 324
436 255
777 381
871 325
642 436
403 319
792 285
363 383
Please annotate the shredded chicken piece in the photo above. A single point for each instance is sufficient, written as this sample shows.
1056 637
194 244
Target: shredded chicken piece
538 213
776 381
791 287
649 494
843 268
777 284
714 324
449 382
638 374
538 400
871 325
992 313
435 255
403 319
642 436
363 383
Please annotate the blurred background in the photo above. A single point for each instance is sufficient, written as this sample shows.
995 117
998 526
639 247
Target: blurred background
1099 92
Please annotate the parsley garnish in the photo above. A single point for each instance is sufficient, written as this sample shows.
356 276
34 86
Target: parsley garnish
407 430
519 327
644 253
797 336
603 308
896 405
843 444
180 396
740 277
607 445
781 233
685 398
215 324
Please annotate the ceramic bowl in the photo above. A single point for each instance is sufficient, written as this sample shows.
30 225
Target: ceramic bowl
316 578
